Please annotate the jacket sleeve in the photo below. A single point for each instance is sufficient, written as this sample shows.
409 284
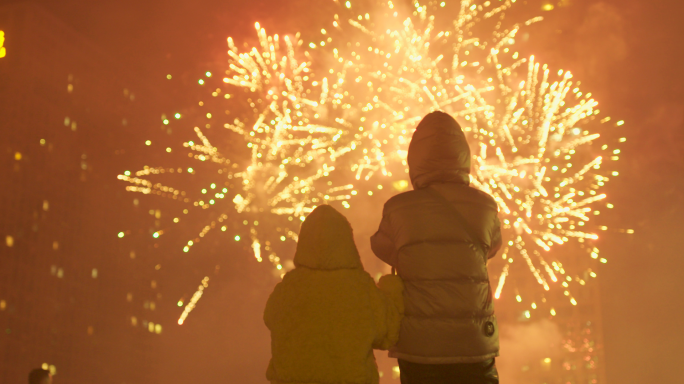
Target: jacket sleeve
382 243
388 310
496 238
271 312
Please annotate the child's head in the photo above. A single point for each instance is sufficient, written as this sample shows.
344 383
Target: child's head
438 152
326 241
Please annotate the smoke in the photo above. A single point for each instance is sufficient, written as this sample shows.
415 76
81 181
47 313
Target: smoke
600 40
526 350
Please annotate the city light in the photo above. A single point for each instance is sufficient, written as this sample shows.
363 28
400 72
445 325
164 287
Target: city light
3 50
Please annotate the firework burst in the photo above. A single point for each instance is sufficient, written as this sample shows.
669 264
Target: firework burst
275 164
532 131
300 138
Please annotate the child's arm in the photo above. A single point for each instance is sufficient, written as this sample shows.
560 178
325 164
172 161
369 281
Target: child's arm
388 311
382 244
272 310
495 239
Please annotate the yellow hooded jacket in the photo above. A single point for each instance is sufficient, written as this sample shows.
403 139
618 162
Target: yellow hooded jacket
327 314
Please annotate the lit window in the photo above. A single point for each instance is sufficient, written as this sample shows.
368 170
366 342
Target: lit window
9 240
3 51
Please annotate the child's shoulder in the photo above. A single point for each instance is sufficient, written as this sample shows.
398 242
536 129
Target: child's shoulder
478 196
402 199
463 193
481 195
304 275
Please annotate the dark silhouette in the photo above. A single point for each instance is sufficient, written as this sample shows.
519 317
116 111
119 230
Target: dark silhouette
40 376
439 237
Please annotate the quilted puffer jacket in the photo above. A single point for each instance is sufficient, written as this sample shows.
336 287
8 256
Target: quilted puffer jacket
441 255
327 314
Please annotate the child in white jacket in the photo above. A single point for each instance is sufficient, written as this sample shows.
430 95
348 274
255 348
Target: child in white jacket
327 315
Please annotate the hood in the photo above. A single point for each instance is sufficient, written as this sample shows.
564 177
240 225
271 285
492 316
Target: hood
326 241
438 152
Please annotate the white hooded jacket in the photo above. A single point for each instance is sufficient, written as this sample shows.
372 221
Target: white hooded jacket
440 246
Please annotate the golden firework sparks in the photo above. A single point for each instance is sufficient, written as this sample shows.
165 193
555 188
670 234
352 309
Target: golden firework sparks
276 163
193 301
532 131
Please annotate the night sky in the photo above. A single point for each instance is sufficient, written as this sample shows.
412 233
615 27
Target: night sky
627 52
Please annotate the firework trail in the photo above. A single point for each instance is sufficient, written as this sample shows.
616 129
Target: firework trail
193 300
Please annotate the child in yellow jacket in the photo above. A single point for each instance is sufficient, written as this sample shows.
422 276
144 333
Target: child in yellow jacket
327 315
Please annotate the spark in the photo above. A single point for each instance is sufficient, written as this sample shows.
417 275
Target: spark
193 301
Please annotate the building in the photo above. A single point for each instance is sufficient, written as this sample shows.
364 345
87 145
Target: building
72 297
